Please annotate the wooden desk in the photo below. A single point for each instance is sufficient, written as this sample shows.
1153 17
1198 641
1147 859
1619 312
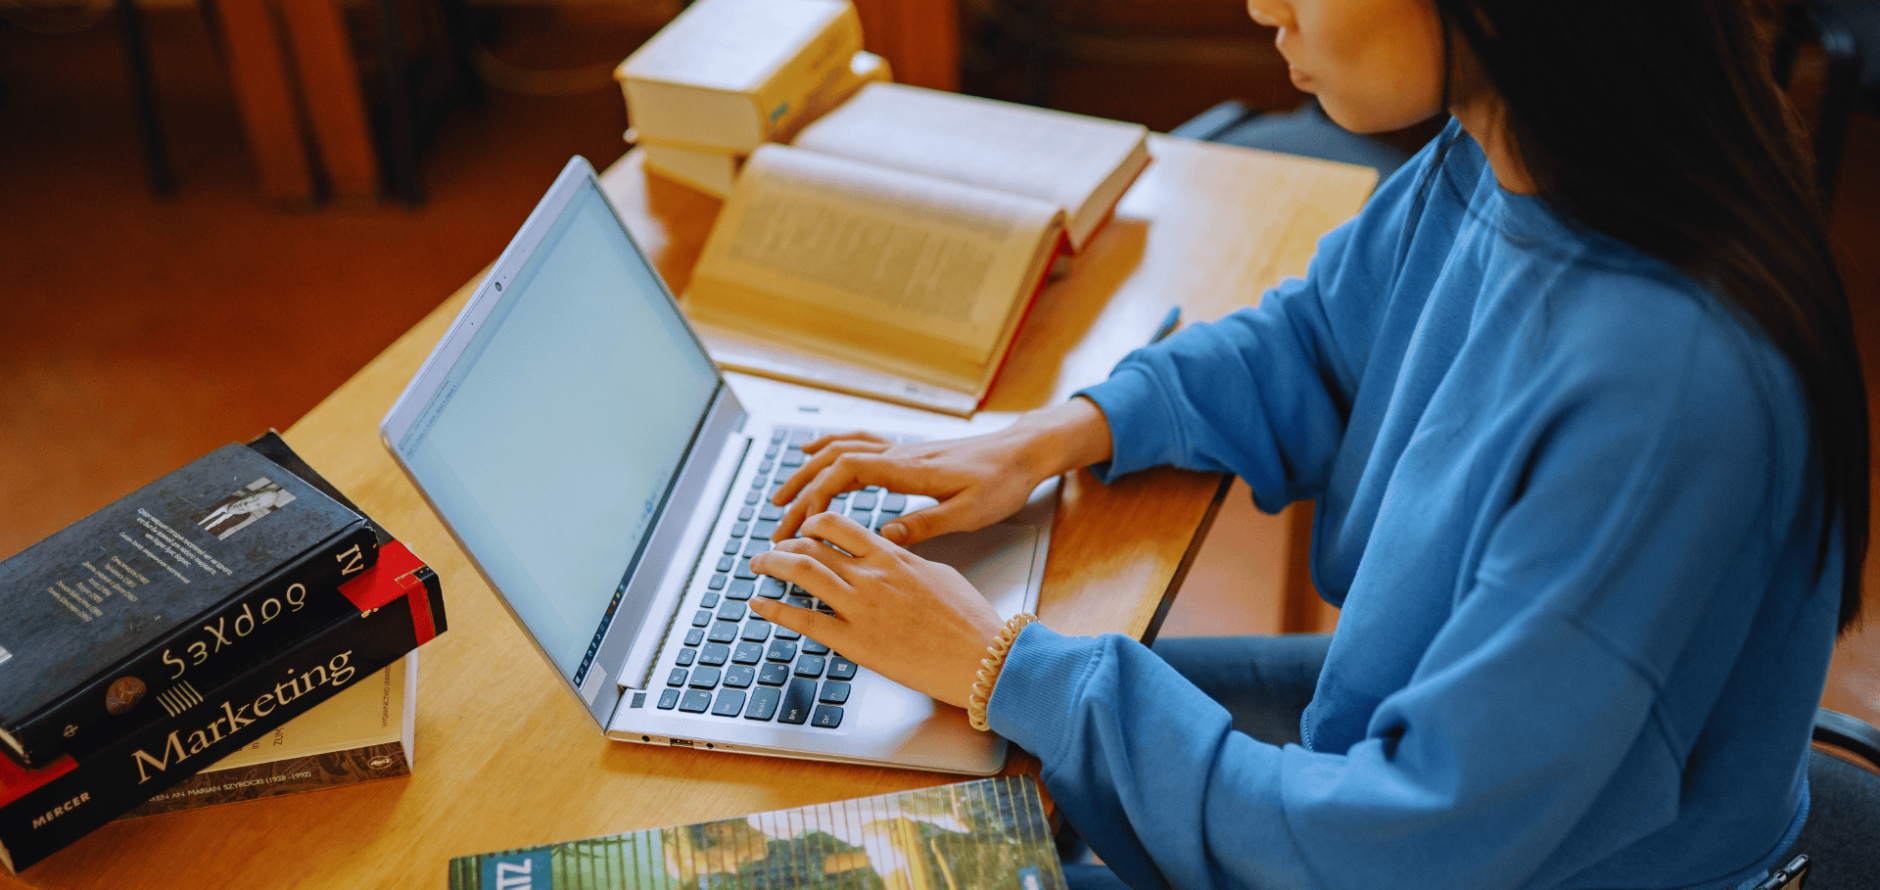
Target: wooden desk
506 759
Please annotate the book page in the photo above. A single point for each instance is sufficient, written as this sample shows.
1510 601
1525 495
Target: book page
1066 159
867 252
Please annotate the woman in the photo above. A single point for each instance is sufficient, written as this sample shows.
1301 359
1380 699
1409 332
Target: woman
1578 406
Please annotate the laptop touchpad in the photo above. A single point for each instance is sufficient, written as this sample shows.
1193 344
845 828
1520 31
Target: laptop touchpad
998 560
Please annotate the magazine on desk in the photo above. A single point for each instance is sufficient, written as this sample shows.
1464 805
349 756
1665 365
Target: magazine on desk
989 834
894 250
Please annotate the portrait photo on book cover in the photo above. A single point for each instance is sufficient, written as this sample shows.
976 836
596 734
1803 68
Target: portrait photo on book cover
240 509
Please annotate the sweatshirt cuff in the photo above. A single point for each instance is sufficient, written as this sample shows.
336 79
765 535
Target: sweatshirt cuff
1044 673
1139 420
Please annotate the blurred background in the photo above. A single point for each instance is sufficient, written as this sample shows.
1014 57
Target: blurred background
194 268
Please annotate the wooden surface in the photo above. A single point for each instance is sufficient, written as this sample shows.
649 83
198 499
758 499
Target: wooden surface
505 758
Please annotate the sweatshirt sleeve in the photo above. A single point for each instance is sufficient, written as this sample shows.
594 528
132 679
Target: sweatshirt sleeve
1264 392
1620 555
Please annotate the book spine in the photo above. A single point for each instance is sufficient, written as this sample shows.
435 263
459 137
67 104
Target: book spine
285 606
789 98
293 775
150 760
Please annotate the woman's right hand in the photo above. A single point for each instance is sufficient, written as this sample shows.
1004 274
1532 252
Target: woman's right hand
977 480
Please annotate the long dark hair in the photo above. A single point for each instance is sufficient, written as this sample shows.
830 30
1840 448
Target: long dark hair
1659 124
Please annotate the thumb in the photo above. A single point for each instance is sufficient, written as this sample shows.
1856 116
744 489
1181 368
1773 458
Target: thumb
918 526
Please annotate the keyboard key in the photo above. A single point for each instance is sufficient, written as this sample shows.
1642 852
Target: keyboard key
833 692
744 514
686 657
802 602
807 666
773 674
778 434
702 618
732 610
756 631
791 459
771 588
801 435
841 668
676 678
798 698
755 546
709 600
723 632
744 569
740 589
695 701
739 530
748 653
781 651
765 467
894 503
730 702
764 529
863 501
718 582
704 678
713 654
770 512
753 497
827 717
740 677
783 633
763 704
758 482
726 562
694 637
668 699
814 648
732 546
862 515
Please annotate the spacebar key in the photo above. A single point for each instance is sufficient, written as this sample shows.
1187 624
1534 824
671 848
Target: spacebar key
798 699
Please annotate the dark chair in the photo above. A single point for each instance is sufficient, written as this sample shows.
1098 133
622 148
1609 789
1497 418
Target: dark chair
1843 832
1305 131
1849 34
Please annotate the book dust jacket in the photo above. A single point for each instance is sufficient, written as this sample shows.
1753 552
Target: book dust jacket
105 590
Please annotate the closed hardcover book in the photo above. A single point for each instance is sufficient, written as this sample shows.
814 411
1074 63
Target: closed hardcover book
141 607
732 74
989 834
398 606
362 734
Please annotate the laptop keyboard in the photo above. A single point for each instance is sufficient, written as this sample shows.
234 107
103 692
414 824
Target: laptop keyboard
735 664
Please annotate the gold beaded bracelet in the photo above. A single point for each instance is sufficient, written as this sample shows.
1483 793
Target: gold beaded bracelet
989 668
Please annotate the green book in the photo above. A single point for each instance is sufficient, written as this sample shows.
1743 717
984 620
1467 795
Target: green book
989 834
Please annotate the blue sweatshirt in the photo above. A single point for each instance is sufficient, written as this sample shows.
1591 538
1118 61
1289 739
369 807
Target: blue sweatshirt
1569 508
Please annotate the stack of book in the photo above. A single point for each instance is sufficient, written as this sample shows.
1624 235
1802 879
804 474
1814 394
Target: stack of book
726 76
180 625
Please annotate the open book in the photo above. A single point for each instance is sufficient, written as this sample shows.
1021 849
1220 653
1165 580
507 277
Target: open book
893 251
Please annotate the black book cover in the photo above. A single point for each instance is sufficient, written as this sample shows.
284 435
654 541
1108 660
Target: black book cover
45 811
134 610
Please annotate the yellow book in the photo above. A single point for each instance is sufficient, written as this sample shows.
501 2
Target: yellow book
894 249
732 74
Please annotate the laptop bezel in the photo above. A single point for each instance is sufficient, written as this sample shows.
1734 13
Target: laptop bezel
600 689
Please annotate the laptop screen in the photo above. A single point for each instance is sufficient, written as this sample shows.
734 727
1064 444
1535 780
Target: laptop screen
553 442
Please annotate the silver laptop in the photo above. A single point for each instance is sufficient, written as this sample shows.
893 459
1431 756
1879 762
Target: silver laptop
578 442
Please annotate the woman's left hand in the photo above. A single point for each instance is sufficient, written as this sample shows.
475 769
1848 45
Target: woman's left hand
916 622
